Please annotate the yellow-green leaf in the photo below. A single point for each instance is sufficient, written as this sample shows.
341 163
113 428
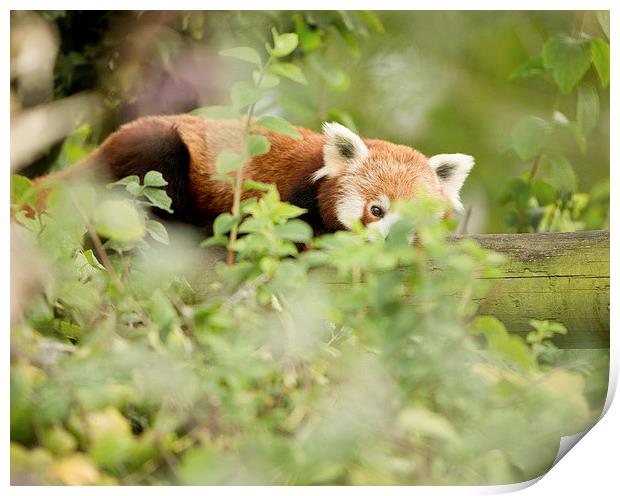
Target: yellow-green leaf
118 220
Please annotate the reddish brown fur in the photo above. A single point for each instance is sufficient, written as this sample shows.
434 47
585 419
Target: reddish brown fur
400 170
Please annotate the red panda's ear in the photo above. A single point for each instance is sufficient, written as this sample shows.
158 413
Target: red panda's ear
452 170
343 151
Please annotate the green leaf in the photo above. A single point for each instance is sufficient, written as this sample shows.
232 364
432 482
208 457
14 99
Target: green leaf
600 57
309 39
283 44
217 112
157 231
568 58
155 179
283 210
295 230
580 138
22 191
587 108
92 260
280 126
255 185
223 224
118 220
134 189
371 19
335 77
125 181
257 145
603 19
246 54
228 161
559 171
529 136
289 71
529 68
243 94
426 423
498 340
214 241
253 225
545 194
267 82
158 198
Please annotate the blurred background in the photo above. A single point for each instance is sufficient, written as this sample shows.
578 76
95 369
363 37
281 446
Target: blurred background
437 81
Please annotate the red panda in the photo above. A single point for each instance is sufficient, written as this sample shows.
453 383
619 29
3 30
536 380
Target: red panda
336 176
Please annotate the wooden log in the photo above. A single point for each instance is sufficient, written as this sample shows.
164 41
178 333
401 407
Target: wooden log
561 277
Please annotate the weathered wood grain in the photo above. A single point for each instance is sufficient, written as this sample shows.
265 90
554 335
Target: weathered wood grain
563 277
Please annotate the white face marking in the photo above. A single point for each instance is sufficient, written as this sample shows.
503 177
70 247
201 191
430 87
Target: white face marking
383 226
350 207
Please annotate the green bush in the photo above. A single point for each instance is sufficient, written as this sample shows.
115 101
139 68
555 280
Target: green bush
353 362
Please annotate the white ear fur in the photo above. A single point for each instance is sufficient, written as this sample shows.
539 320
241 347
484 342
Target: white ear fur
343 150
452 170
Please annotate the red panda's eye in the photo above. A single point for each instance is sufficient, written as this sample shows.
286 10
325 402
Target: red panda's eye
377 211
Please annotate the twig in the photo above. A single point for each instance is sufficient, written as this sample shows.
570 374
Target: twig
103 256
238 186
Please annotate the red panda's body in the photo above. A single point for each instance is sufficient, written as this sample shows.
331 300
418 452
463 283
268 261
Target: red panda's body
336 175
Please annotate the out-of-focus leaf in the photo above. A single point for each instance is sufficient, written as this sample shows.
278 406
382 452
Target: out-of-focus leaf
257 145
76 470
295 230
228 161
157 231
568 58
426 423
529 68
509 346
243 95
529 136
587 108
119 221
559 172
545 194
603 20
223 223
279 125
289 71
309 39
371 19
22 191
246 54
600 57
267 82
283 44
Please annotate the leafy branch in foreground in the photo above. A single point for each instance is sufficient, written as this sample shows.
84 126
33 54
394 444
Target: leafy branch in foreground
351 363
245 95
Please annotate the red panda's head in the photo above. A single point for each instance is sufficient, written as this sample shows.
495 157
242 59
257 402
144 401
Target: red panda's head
367 176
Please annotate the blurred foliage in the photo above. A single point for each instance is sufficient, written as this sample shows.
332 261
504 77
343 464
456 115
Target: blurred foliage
551 202
138 360
266 371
